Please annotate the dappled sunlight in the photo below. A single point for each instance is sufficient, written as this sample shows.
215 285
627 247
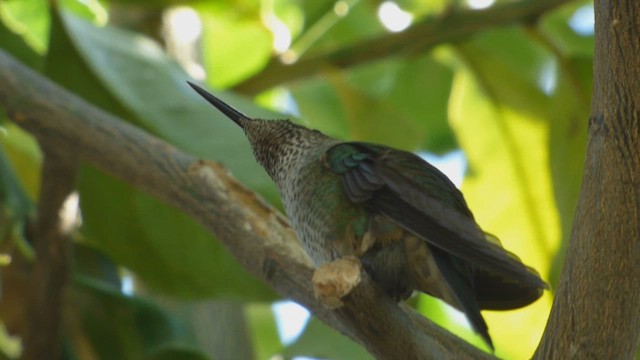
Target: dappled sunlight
393 17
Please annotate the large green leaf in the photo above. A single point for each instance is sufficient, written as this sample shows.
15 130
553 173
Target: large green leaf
421 92
569 114
123 327
400 103
130 76
499 114
235 44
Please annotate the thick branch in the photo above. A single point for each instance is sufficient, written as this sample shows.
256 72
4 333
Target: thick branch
49 274
255 233
596 312
447 28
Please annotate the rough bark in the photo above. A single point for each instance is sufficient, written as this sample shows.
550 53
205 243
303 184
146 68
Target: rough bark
254 232
596 311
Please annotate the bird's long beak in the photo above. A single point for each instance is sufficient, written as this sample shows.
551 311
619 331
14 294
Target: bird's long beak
233 114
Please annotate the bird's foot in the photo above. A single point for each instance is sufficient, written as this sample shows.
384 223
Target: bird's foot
333 281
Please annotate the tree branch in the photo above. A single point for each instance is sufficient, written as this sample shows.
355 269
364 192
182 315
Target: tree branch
254 232
50 271
446 28
596 310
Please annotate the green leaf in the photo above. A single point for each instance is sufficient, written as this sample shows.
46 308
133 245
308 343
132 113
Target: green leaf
17 209
262 323
123 327
569 114
320 107
570 43
152 90
164 247
376 119
130 76
314 342
421 92
234 47
509 187
359 23
30 19
397 103
449 318
16 46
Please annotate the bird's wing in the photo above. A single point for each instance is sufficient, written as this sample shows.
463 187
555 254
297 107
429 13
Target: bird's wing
419 198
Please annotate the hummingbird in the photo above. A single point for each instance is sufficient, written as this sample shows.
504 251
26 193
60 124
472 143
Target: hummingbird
405 221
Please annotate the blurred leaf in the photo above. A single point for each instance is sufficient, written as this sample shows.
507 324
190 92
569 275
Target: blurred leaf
150 87
22 150
10 346
164 247
320 341
176 352
16 46
91 10
17 209
376 120
234 47
130 76
262 323
449 318
397 103
30 19
419 8
568 119
92 263
509 65
556 25
320 107
500 124
122 327
421 92
359 23
314 11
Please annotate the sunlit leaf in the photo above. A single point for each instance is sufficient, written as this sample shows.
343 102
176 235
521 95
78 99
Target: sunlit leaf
449 318
234 46
569 114
508 187
30 19
17 46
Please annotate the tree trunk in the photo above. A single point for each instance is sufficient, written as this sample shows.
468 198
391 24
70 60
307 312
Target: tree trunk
596 312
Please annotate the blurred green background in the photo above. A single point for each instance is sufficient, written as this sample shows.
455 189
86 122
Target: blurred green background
505 105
